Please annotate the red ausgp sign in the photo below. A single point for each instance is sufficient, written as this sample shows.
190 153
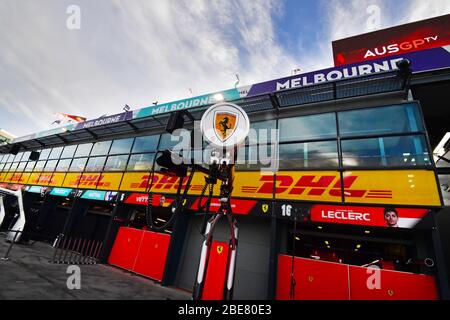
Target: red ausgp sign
416 36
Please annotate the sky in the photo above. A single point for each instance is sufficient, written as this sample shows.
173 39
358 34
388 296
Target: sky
137 52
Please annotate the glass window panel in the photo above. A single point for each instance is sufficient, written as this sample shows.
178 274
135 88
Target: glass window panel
11 158
2 157
39 165
145 144
390 151
260 132
6 167
141 162
96 164
78 164
308 155
121 146
68 151
383 120
255 157
63 165
1 166
50 166
101 148
14 166
56 153
44 154
321 126
116 163
30 166
166 142
26 156
21 166
18 157
83 150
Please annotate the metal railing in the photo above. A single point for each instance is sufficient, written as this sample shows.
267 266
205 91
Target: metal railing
72 250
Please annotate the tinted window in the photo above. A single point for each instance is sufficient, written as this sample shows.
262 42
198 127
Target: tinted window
391 151
78 164
116 163
68 152
121 146
95 164
254 157
30 166
383 120
26 156
21 166
63 165
146 144
51 165
56 153
320 126
141 162
44 154
18 157
39 166
100 148
83 150
260 131
166 142
308 155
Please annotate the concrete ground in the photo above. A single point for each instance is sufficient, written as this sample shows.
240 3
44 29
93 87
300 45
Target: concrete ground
28 274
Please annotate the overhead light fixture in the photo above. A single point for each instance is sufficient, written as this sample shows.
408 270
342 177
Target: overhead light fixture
326 242
366 231
162 220
439 151
297 238
358 246
319 227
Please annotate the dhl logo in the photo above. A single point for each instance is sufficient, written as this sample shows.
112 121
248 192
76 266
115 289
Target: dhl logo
164 183
313 185
17 178
91 180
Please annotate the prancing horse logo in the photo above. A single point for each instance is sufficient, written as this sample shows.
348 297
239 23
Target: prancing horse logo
219 249
225 124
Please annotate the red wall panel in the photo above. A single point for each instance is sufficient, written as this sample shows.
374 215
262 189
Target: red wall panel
314 280
125 249
320 280
392 285
216 272
152 255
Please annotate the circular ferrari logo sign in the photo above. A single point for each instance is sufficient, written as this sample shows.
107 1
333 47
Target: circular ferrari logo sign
225 125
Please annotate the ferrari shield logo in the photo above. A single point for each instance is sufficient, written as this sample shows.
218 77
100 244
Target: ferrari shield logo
219 249
265 208
225 124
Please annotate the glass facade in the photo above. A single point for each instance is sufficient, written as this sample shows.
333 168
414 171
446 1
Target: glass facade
382 137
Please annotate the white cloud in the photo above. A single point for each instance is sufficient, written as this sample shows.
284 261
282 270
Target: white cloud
129 53
144 51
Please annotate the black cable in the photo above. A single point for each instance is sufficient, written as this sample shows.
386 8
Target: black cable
177 206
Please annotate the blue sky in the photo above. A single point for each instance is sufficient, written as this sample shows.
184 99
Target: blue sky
136 52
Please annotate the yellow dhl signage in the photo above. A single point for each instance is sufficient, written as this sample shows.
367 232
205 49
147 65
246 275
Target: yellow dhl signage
19 178
102 181
416 187
408 187
138 181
